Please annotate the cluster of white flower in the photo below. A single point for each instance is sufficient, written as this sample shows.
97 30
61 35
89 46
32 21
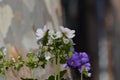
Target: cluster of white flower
41 32
51 39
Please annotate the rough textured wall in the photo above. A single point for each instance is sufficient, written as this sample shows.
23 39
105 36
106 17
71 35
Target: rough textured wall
18 21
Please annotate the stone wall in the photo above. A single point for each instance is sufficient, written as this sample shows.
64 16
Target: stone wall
18 21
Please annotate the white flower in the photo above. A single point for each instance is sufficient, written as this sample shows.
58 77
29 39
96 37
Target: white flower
66 41
13 59
58 34
51 48
47 55
54 35
41 32
69 33
4 50
50 41
51 33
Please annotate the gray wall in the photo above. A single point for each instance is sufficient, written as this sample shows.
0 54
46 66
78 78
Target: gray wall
18 21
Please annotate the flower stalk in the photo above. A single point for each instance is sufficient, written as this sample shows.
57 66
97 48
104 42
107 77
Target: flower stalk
32 70
57 72
5 76
58 66
81 76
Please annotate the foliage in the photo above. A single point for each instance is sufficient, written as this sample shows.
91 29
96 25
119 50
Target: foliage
54 47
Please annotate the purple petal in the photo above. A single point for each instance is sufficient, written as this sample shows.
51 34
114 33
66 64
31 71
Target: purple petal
83 54
73 62
87 66
84 60
80 69
75 56
64 65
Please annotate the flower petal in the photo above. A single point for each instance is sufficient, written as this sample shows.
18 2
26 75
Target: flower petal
64 65
69 33
87 66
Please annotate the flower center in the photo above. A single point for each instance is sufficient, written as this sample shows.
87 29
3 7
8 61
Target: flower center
72 62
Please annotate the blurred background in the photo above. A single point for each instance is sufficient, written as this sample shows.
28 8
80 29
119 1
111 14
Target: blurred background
97 31
97 25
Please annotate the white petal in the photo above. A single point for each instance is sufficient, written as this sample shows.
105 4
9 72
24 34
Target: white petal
69 33
47 55
58 34
51 32
13 59
66 41
4 51
39 33
89 74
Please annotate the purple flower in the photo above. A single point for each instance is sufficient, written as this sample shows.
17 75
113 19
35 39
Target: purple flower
80 61
85 66
73 62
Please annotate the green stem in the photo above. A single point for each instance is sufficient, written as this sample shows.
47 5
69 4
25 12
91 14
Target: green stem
5 77
58 67
55 76
55 68
32 70
57 72
81 76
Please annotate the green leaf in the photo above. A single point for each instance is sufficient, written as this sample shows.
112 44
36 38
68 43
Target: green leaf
1 65
1 54
45 39
63 60
2 72
70 54
85 72
27 79
62 73
30 55
18 66
51 78
43 65
42 50
36 59
19 58
42 59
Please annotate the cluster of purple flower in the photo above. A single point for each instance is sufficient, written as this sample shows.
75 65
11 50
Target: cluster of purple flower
79 61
